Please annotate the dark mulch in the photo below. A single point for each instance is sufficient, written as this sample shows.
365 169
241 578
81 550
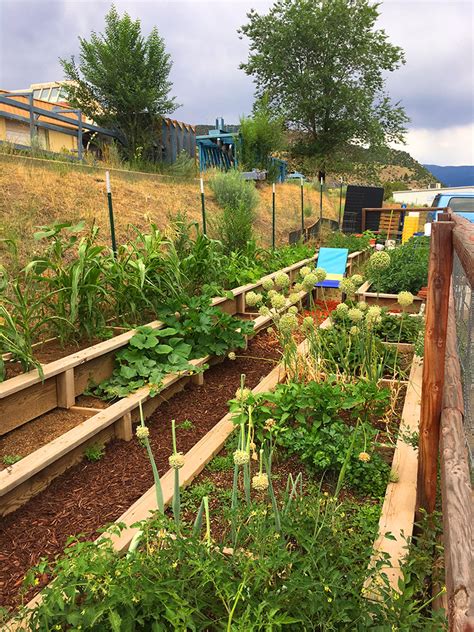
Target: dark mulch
90 495
38 432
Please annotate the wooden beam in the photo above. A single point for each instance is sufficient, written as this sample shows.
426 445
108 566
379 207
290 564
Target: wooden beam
456 492
463 242
439 280
123 427
398 510
65 389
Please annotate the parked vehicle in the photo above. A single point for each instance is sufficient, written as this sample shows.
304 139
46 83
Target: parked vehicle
461 204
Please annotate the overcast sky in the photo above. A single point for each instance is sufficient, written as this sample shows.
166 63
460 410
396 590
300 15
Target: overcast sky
436 85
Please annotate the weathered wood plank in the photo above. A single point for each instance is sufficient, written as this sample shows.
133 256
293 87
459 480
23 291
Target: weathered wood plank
456 492
398 510
439 280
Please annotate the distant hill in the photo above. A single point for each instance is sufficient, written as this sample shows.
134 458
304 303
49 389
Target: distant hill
461 176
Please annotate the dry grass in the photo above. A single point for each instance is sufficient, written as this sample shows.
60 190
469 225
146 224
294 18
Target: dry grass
37 192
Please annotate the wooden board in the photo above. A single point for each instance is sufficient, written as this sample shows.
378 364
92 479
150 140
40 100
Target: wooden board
27 404
398 510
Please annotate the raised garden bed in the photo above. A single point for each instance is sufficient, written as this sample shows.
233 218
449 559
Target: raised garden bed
390 301
397 513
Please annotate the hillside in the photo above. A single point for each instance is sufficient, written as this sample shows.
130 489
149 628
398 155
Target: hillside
456 176
36 192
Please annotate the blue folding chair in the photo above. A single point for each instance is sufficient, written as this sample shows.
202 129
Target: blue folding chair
334 261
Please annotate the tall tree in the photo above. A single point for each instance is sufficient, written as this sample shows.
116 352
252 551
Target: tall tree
262 134
122 80
323 65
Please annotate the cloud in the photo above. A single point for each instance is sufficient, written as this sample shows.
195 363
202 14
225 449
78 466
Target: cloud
448 146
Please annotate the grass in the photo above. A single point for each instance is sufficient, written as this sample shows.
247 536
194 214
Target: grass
37 192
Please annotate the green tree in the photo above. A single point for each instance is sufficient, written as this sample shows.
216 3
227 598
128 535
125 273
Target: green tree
122 80
323 65
262 134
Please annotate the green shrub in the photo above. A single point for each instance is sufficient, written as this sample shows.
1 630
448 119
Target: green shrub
239 200
408 269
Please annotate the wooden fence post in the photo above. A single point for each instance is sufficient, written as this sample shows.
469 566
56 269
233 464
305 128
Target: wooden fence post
439 280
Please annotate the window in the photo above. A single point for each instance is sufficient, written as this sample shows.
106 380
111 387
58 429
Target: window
62 95
36 94
45 94
18 133
54 94
462 204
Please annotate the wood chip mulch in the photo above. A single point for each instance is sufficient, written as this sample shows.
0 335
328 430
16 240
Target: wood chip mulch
90 495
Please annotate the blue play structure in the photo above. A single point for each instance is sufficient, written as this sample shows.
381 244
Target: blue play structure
219 149
334 261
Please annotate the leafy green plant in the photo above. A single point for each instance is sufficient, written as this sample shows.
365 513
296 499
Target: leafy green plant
94 452
354 243
221 463
192 496
238 199
11 459
408 269
205 328
150 355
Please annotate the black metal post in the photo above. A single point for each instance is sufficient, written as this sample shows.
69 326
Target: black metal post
302 209
320 204
273 217
203 209
111 213
340 204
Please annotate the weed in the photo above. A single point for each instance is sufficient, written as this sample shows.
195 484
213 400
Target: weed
192 496
11 459
187 424
94 452
221 463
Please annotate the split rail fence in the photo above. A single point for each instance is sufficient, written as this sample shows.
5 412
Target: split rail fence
447 408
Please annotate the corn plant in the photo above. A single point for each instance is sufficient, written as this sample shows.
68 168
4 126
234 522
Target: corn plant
74 282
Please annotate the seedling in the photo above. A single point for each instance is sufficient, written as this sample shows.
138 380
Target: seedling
94 452
11 459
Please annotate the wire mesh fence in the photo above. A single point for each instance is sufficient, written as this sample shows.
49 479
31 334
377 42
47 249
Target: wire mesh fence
464 310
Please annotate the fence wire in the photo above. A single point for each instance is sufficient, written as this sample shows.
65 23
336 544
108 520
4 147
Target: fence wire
464 308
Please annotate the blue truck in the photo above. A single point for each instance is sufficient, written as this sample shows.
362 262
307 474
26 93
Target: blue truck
460 203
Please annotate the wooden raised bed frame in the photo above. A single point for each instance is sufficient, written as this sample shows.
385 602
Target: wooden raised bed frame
27 396
398 508
385 300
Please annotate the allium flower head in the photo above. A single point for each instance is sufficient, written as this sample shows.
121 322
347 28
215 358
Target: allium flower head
342 309
347 287
321 274
305 270
264 311
278 301
293 297
142 433
176 460
354 330
373 312
260 482
267 284
355 315
272 293
308 323
364 456
231 355
293 309
242 394
252 299
309 281
362 306
288 323
298 287
241 457
282 280
379 261
269 424
357 280
405 299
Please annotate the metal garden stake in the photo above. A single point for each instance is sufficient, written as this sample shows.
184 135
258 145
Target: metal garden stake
302 208
340 203
111 212
273 216
203 208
